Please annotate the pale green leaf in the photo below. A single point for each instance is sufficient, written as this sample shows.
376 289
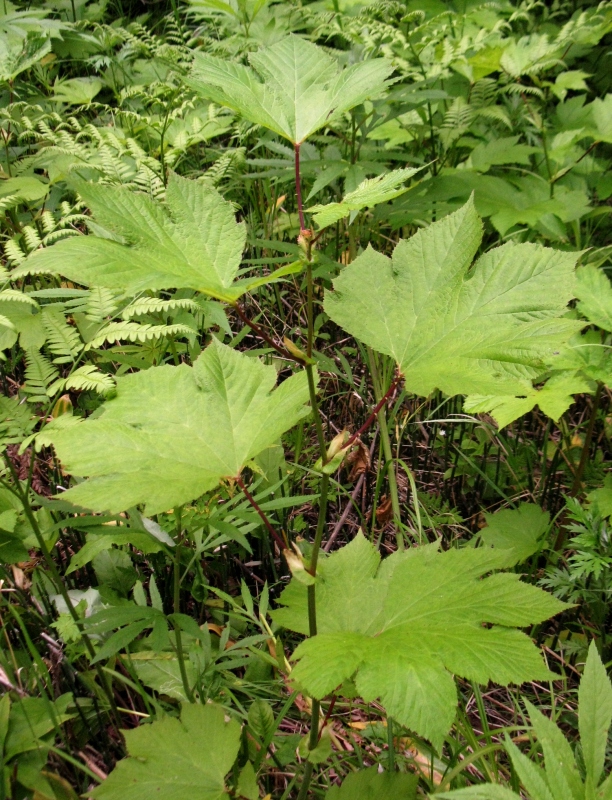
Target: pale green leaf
369 193
561 770
531 776
554 398
191 425
193 242
488 329
595 295
369 784
594 714
602 116
518 529
484 791
294 88
389 623
173 760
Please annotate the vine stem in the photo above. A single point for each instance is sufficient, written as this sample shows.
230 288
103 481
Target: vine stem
18 491
176 605
277 538
375 411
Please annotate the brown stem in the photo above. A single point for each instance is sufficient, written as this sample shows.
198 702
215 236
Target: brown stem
263 335
264 519
352 439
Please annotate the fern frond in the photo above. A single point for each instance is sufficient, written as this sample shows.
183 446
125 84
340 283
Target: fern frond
87 378
155 305
101 304
62 339
15 296
40 374
133 332
13 252
31 238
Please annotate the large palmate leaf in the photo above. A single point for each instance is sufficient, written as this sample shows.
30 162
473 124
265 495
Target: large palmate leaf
194 243
485 330
405 625
172 433
294 87
175 760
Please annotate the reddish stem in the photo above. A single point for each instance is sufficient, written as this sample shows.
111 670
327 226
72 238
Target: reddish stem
352 439
298 187
265 520
263 335
329 713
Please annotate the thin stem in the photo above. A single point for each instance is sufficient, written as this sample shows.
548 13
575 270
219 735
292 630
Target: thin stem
584 456
377 408
176 605
263 335
390 745
277 538
386 443
298 187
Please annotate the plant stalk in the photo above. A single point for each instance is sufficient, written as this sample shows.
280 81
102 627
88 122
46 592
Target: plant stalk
386 444
176 606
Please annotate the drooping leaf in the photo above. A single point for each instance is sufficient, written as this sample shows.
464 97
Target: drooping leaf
519 529
594 714
594 292
369 193
172 433
294 88
554 398
485 330
173 760
194 242
369 784
390 624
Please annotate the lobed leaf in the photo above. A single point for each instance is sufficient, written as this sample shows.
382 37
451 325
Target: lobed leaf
172 433
390 623
486 329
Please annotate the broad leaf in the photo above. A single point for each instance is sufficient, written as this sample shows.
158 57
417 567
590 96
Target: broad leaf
595 295
518 529
369 193
483 791
487 330
172 433
174 760
370 784
554 398
294 88
594 714
390 624
194 243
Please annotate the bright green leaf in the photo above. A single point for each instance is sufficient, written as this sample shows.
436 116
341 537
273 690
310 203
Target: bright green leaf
595 295
294 88
389 623
369 784
594 714
518 529
172 433
369 193
488 329
194 242
173 760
